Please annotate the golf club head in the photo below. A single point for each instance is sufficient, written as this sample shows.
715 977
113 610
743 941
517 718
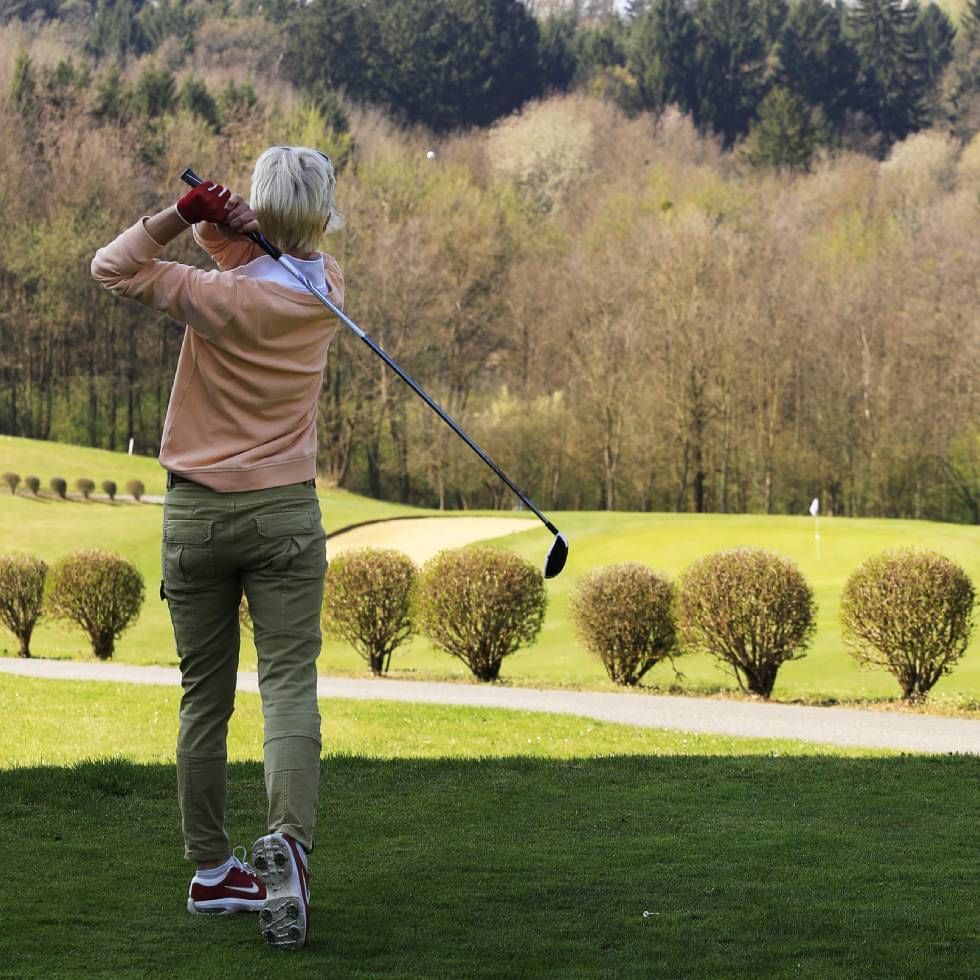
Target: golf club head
557 556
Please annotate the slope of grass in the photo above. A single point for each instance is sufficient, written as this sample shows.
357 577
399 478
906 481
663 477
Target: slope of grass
632 866
668 542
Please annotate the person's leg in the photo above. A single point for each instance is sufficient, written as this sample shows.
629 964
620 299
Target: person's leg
284 585
203 593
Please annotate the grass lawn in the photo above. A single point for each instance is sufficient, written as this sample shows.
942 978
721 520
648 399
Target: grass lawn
435 860
669 542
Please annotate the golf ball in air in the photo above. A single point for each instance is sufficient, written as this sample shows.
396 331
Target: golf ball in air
431 155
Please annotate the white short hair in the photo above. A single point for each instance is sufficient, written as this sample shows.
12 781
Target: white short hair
293 195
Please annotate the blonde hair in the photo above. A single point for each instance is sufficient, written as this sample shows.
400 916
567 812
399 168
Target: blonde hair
292 194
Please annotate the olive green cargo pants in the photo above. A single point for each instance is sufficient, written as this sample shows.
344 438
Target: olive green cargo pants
270 543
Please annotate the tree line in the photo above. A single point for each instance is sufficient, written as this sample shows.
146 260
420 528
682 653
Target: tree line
623 313
791 77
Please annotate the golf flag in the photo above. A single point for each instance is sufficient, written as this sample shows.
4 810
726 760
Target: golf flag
815 507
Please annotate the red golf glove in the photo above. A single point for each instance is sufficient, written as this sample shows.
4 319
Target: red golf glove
206 202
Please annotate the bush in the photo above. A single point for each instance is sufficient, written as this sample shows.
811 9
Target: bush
109 488
748 608
11 479
59 486
910 612
367 601
85 486
480 605
21 596
97 590
33 484
136 488
624 615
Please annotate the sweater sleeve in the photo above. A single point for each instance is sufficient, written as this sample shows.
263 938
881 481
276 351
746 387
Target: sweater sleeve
226 252
128 265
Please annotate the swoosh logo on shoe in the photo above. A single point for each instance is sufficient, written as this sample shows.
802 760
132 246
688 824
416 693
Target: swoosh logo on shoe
252 889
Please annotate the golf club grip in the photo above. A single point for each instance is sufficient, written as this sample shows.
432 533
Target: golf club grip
189 177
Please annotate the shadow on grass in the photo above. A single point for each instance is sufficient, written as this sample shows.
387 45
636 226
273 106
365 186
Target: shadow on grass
619 867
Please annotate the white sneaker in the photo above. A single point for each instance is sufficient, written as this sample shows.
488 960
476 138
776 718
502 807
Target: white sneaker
280 862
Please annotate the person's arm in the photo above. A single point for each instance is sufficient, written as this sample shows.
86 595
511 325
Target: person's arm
165 226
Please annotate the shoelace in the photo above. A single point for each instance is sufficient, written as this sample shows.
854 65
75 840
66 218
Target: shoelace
241 862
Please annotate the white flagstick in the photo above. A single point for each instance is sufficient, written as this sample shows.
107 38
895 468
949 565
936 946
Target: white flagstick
131 447
815 511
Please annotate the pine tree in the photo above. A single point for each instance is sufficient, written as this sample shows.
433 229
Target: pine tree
815 60
785 135
663 56
892 81
731 66
196 99
935 36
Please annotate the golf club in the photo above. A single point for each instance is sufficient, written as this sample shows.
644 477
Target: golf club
558 552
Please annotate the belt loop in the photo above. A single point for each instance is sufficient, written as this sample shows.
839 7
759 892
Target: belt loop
170 480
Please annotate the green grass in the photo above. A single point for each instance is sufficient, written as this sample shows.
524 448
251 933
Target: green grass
518 867
140 722
668 542
460 843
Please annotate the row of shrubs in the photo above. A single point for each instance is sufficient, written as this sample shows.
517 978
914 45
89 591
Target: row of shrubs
96 590
908 612
83 485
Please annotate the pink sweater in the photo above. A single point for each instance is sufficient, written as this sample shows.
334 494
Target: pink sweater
242 411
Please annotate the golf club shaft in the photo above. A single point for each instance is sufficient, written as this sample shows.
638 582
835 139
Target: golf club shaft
189 177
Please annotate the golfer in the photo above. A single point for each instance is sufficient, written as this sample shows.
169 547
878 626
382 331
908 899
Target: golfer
241 510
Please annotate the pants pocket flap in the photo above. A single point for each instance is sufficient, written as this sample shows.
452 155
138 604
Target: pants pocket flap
187 531
284 524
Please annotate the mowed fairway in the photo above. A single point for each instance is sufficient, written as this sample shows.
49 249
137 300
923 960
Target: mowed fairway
610 851
668 542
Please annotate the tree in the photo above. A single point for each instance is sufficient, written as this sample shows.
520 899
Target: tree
663 55
815 60
731 66
556 52
155 93
892 81
458 62
785 135
195 98
935 36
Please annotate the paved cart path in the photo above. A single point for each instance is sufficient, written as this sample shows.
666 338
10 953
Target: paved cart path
833 726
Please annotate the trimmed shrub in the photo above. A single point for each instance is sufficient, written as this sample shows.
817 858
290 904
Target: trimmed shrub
624 615
136 488
748 608
85 486
911 613
367 599
59 486
11 479
97 590
109 488
21 596
480 605
33 484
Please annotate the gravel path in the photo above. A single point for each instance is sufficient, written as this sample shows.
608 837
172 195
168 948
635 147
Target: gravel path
832 726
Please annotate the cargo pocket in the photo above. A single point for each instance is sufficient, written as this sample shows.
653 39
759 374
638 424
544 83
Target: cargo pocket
294 542
188 553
